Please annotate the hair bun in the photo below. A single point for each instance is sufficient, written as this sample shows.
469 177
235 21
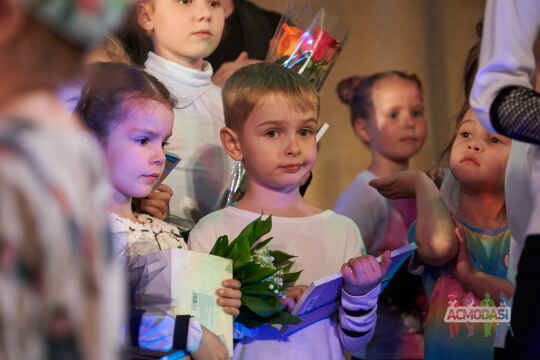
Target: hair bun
346 88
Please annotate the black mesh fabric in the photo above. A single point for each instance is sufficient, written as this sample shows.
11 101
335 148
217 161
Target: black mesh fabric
516 113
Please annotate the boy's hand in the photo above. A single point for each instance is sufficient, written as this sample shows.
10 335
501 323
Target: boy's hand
292 295
463 267
400 185
157 202
211 347
230 296
364 273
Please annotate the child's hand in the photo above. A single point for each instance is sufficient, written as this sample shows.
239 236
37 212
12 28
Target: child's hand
157 203
292 295
211 347
228 68
463 266
230 296
398 186
364 273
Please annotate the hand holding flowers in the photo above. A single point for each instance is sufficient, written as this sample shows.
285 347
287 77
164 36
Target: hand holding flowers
229 297
261 273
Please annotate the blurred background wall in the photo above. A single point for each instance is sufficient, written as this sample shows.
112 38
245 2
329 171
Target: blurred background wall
428 37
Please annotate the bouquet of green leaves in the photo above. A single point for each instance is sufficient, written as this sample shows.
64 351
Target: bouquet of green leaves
263 273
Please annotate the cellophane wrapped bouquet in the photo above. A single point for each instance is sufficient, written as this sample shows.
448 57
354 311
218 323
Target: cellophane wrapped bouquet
308 41
263 274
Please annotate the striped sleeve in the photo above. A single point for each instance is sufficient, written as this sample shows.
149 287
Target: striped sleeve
357 318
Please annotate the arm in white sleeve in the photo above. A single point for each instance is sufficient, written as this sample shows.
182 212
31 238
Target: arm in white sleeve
506 56
368 210
202 238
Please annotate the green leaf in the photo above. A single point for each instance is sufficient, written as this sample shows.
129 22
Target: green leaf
220 247
245 270
280 257
258 289
239 250
291 277
256 229
262 306
249 319
286 268
262 228
284 317
240 263
261 244
258 275
240 247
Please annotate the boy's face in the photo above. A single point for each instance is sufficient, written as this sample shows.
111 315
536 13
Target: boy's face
134 147
183 31
277 143
478 157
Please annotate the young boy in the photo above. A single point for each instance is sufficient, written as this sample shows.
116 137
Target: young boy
271 119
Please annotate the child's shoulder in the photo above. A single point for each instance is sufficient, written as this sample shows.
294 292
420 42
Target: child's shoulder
226 219
211 219
341 220
144 223
359 193
360 184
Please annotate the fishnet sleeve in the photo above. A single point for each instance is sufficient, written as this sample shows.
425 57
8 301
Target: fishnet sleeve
516 113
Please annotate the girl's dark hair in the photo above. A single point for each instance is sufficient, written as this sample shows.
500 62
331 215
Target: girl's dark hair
136 42
469 73
356 91
108 86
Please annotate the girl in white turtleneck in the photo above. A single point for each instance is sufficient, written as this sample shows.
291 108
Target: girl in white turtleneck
183 33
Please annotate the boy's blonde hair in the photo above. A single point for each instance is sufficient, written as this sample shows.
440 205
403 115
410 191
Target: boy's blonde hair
249 86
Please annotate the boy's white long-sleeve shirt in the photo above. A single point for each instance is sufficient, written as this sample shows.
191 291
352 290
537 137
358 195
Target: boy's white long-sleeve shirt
322 244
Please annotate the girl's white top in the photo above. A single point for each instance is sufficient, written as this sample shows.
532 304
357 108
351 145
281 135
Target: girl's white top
382 226
201 180
147 235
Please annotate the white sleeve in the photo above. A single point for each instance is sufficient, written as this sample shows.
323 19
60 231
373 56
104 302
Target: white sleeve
202 238
355 242
506 56
367 209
